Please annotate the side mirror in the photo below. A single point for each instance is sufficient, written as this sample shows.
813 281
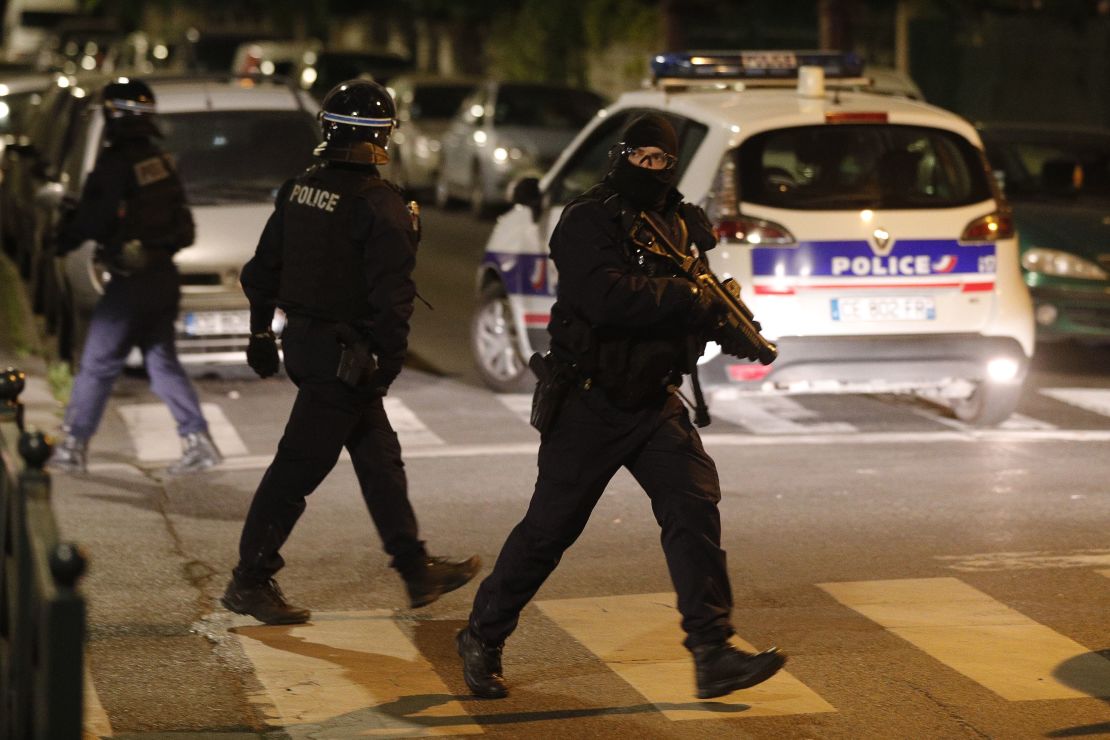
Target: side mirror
526 192
50 196
1062 177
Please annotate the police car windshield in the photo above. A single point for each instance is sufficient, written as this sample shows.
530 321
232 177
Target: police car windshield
238 156
1028 161
438 102
844 166
545 107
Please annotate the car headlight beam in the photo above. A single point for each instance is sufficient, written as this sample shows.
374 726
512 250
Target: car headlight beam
1058 263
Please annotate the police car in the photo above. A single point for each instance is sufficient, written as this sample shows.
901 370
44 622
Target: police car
867 232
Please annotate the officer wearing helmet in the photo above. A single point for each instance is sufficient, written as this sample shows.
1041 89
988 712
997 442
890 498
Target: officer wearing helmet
337 257
133 205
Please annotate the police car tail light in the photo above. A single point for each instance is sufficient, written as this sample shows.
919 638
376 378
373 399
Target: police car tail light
989 228
755 231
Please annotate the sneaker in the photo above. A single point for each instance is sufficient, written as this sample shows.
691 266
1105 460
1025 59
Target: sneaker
199 453
71 456
434 577
265 602
481 665
721 669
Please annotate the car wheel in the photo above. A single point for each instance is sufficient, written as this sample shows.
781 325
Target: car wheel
496 345
989 404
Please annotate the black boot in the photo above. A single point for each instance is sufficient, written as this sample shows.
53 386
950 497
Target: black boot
431 578
481 666
264 602
722 669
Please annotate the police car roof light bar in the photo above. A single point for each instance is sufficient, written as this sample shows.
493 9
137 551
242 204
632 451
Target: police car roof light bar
753 65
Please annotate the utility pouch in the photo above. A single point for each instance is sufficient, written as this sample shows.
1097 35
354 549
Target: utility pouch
553 383
356 361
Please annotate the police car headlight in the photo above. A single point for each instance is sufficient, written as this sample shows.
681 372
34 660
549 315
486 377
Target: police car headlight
1002 369
1060 264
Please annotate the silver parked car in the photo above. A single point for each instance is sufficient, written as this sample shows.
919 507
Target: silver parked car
235 141
504 130
425 107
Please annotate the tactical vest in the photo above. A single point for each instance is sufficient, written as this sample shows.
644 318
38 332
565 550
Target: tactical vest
155 211
323 272
631 365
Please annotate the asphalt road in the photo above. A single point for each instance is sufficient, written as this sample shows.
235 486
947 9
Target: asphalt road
925 579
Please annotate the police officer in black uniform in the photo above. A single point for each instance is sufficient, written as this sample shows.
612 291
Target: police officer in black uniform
133 205
337 256
621 326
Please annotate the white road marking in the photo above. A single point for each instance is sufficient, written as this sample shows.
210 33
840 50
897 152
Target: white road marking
1027 560
985 640
410 430
347 675
1089 399
518 403
511 449
154 432
638 638
771 414
95 723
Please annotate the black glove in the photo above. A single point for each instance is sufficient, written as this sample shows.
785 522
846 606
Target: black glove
382 378
262 354
697 224
704 311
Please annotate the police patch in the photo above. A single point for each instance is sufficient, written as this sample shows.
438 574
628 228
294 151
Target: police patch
150 171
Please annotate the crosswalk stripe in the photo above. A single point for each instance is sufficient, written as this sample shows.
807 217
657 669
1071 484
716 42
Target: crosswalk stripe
967 630
771 414
1089 399
638 637
95 723
410 430
520 404
154 432
349 674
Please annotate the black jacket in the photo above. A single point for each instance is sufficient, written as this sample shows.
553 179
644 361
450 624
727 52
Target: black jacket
620 325
340 246
133 192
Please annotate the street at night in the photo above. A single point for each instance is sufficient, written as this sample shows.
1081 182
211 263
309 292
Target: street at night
919 574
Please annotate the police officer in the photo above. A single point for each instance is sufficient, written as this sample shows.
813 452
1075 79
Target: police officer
133 205
621 324
337 256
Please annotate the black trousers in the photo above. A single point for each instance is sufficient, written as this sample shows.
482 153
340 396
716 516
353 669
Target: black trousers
327 416
580 454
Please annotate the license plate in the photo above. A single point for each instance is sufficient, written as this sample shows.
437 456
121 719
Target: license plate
886 308
208 323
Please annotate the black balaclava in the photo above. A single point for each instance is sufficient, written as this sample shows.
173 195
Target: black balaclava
644 188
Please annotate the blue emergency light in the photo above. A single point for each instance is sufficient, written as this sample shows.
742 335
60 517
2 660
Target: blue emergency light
732 65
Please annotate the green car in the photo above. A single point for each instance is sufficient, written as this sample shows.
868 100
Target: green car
1057 180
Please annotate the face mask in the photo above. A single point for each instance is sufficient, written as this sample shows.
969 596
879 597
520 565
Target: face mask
643 188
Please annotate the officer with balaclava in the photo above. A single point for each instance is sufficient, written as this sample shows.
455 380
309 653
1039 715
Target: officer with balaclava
133 205
337 257
620 329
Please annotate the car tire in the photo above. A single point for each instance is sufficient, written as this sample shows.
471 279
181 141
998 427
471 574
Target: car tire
989 404
495 344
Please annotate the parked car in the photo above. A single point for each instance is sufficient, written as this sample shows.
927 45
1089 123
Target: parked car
234 145
321 70
504 129
865 230
1058 180
425 107
19 96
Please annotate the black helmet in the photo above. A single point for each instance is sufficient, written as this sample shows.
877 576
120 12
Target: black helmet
357 118
129 108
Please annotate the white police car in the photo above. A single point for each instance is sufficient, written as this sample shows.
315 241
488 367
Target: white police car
867 232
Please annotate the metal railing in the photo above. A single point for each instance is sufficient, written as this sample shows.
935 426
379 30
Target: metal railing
42 614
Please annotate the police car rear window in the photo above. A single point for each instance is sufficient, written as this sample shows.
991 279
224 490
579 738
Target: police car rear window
845 167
